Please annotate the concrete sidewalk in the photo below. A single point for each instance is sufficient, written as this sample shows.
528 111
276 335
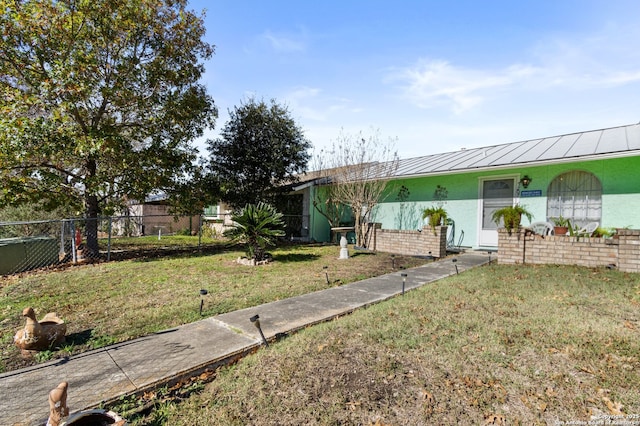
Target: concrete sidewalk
106 374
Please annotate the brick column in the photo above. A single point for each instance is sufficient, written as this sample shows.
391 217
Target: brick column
629 250
436 244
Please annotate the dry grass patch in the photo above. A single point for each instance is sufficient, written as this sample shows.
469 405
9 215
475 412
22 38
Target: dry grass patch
495 345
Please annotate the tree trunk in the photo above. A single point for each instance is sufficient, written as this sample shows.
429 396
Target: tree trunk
92 210
358 230
91 228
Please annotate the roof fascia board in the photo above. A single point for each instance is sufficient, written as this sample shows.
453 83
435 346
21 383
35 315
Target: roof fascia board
613 155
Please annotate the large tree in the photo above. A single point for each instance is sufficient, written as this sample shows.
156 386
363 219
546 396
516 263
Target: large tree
259 151
100 100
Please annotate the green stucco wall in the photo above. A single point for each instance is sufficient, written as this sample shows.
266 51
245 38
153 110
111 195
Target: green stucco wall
620 178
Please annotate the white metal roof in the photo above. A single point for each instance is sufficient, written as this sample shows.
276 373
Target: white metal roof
620 141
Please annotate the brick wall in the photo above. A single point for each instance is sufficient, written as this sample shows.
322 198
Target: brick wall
411 243
624 252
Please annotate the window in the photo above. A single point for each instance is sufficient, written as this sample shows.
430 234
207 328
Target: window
575 195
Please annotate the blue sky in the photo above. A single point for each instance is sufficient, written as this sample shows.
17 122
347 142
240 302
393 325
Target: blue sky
436 76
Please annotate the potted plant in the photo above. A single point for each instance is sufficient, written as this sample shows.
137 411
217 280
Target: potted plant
435 216
511 216
561 225
604 232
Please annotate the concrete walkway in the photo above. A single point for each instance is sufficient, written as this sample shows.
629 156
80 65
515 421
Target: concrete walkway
105 374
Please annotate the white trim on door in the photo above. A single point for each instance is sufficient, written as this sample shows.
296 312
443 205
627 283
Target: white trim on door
505 192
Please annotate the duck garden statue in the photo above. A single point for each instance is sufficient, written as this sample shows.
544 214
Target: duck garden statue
40 335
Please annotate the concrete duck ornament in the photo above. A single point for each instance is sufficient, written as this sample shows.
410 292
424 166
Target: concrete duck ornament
58 410
40 335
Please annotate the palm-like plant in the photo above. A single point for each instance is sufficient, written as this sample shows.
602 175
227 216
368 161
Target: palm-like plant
511 216
257 226
436 215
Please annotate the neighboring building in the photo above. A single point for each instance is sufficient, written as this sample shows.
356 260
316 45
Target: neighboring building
592 176
152 218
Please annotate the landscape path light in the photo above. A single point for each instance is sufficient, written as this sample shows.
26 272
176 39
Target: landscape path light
404 279
454 260
256 321
203 293
393 261
326 273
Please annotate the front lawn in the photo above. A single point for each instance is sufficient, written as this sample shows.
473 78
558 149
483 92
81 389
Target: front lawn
105 303
521 345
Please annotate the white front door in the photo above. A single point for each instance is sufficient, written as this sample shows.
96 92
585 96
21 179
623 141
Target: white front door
495 193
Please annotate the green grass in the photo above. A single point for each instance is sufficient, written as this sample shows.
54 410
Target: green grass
514 345
151 241
106 303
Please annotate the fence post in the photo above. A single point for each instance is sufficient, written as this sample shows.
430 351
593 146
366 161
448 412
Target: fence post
74 255
109 239
199 232
61 251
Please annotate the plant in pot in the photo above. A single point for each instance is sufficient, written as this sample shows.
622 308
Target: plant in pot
561 225
435 216
511 216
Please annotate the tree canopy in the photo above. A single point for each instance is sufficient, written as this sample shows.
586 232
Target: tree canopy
259 150
354 172
100 100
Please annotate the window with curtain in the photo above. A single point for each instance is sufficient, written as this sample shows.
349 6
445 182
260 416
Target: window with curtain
575 195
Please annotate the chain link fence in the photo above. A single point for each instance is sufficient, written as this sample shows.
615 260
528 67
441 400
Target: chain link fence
31 245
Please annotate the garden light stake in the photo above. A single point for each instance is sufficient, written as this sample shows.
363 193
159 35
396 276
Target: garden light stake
203 293
256 321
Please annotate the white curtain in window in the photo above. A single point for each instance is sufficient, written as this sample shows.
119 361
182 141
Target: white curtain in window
575 195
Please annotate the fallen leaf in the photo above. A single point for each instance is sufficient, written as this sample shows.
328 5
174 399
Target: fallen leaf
495 419
587 370
353 404
149 396
615 408
428 397
629 325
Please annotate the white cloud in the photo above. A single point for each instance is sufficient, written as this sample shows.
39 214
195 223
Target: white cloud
437 82
285 43
604 60
312 104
